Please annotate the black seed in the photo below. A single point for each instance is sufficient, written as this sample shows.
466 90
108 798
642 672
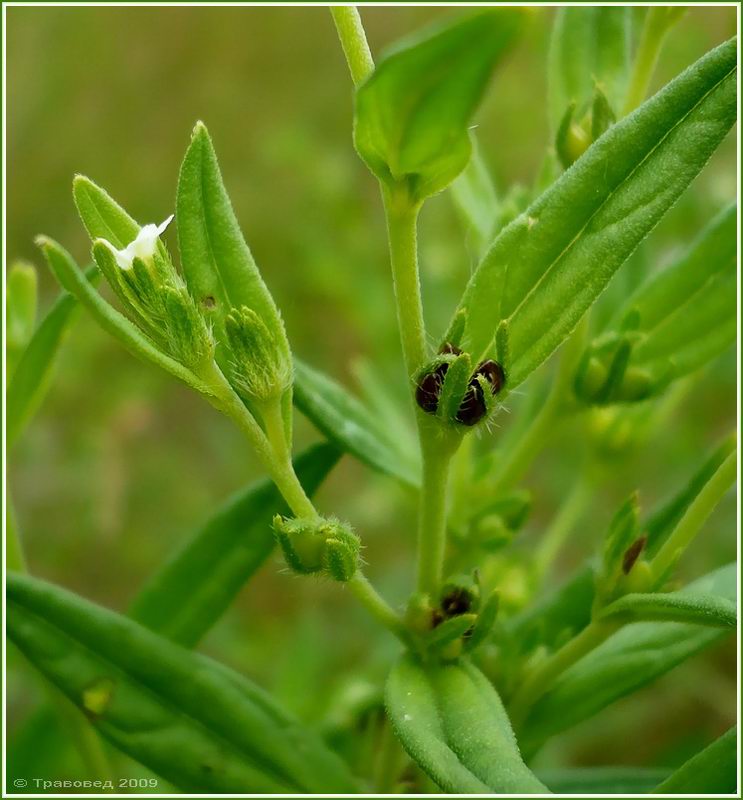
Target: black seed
493 372
457 601
633 553
472 408
436 618
447 347
429 388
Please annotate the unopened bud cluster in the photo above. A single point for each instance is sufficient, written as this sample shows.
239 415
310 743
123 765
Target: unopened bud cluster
155 296
580 128
318 546
450 389
261 367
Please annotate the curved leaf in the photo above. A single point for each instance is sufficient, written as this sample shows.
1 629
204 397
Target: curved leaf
21 297
346 422
216 261
546 269
696 609
712 771
190 593
189 719
412 114
634 656
592 781
452 723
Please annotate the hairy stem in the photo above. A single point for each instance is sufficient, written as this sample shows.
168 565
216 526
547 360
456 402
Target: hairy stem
695 516
402 219
376 605
353 40
432 514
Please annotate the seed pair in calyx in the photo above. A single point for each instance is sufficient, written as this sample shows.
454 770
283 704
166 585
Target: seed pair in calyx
450 389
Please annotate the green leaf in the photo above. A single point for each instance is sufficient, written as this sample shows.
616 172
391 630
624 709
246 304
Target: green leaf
451 722
31 377
546 269
72 279
21 300
712 771
101 215
660 524
412 114
184 599
589 45
191 720
346 422
593 781
696 609
217 263
476 202
631 658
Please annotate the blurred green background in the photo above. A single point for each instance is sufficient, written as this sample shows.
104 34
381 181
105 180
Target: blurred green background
122 462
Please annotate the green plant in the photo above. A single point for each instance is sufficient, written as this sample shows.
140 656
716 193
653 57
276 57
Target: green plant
486 677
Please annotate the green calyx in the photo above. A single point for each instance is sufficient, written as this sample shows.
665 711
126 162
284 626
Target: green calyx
322 546
260 367
577 132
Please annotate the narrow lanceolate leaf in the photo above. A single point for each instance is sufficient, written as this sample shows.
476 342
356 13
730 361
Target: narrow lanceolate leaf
546 269
687 312
346 422
72 279
631 658
660 524
216 261
588 45
187 718
190 593
712 771
451 722
30 379
593 781
696 609
412 114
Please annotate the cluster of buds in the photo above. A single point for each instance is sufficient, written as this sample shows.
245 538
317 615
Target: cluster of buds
622 568
606 375
579 128
261 367
458 620
155 296
318 546
450 389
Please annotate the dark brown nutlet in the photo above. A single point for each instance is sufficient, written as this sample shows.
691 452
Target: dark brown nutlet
493 372
457 601
429 389
633 553
447 347
472 408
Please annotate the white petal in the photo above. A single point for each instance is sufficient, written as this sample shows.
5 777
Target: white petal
121 257
161 228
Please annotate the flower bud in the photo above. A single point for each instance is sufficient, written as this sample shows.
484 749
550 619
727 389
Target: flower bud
261 368
324 546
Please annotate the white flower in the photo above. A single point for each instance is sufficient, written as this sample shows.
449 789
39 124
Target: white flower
142 247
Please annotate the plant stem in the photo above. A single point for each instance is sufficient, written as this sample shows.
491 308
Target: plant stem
658 22
432 509
353 40
402 219
376 605
271 447
694 517
543 677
